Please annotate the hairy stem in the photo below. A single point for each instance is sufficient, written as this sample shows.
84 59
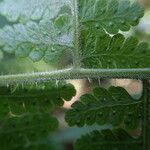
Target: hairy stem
75 74
76 56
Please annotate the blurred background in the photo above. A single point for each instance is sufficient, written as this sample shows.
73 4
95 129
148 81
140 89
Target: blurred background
64 138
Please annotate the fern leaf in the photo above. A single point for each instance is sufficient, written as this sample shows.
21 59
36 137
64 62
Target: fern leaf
114 106
49 30
104 51
46 33
21 132
108 140
24 113
26 10
42 98
36 41
111 15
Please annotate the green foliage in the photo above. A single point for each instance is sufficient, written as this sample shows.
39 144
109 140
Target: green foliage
24 113
112 15
42 98
26 10
20 132
99 49
114 106
85 33
48 38
104 51
108 140
51 30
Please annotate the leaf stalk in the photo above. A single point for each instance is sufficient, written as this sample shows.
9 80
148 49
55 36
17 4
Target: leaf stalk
72 73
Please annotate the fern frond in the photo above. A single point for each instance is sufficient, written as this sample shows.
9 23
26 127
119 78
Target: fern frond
36 41
24 113
111 15
108 140
27 10
41 98
65 29
103 51
114 106
46 33
21 132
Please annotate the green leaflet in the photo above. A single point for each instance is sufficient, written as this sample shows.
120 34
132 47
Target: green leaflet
114 106
23 133
104 51
41 98
26 10
112 15
36 41
48 38
24 114
108 140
